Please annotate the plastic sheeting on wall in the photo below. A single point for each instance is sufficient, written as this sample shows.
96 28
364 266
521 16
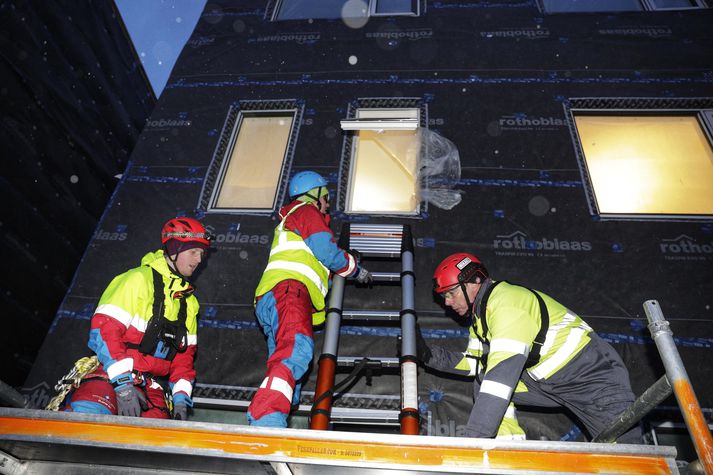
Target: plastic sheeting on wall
440 170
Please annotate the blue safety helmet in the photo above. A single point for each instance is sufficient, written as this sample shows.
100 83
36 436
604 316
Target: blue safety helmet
303 182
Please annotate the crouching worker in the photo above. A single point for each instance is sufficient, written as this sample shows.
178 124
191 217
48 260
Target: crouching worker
290 296
528 349
143 329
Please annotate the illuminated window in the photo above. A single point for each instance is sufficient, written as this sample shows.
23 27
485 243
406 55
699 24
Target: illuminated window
381 160
249 169
334 9
674 4
571 6
646 164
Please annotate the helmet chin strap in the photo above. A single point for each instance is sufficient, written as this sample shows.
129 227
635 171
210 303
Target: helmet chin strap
469 314
314 198
173 267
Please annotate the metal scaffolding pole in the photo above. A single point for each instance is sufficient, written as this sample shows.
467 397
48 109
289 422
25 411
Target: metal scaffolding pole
676 373
651 398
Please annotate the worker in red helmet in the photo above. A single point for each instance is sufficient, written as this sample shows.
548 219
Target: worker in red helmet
526 348
144 328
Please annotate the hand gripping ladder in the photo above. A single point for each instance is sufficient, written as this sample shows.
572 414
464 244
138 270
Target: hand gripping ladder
379 241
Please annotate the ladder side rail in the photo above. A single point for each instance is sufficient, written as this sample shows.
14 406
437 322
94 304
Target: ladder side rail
409 367
676 373
322 407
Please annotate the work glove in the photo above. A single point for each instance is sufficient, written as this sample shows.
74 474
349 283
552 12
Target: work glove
181 403
363 276
130 400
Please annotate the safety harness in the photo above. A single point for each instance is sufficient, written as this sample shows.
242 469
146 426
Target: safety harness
534 357
164 338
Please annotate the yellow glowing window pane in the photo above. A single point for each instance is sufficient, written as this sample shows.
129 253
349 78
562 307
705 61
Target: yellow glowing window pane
384 167
253 173
648 164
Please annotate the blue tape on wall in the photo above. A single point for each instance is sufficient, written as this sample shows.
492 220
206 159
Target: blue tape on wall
522 183
482 4
166 179
395 332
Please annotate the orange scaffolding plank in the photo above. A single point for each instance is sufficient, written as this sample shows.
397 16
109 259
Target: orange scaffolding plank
455 455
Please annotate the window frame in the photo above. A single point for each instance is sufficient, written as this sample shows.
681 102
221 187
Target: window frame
700 108
344 186
415 9
646 6
222 155
649 5
418 7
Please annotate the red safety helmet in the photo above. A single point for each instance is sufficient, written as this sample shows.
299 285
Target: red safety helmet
185 230
456 269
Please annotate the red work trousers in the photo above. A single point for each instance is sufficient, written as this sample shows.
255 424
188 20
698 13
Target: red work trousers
95 395
285 315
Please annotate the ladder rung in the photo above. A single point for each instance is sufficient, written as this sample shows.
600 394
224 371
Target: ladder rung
374 241
370 315
376 228
386 276
366 247
339 414
365 416
374 361
393 253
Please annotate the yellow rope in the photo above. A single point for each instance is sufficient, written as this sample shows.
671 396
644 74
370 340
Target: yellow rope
81 368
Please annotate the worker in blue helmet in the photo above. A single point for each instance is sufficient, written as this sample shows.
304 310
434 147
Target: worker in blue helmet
290 297
308 185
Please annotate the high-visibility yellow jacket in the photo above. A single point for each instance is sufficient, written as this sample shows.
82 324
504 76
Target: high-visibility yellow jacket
512 315
122 316
304 249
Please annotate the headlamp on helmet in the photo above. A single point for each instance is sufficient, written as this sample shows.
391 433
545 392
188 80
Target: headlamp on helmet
180 234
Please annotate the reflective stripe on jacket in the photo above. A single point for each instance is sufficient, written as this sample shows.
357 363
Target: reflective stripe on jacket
123 313
509 428
513 318
291 258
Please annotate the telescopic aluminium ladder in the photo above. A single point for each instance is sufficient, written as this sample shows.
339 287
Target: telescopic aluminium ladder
372 241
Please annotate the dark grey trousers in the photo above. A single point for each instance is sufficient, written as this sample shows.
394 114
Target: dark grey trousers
595 386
